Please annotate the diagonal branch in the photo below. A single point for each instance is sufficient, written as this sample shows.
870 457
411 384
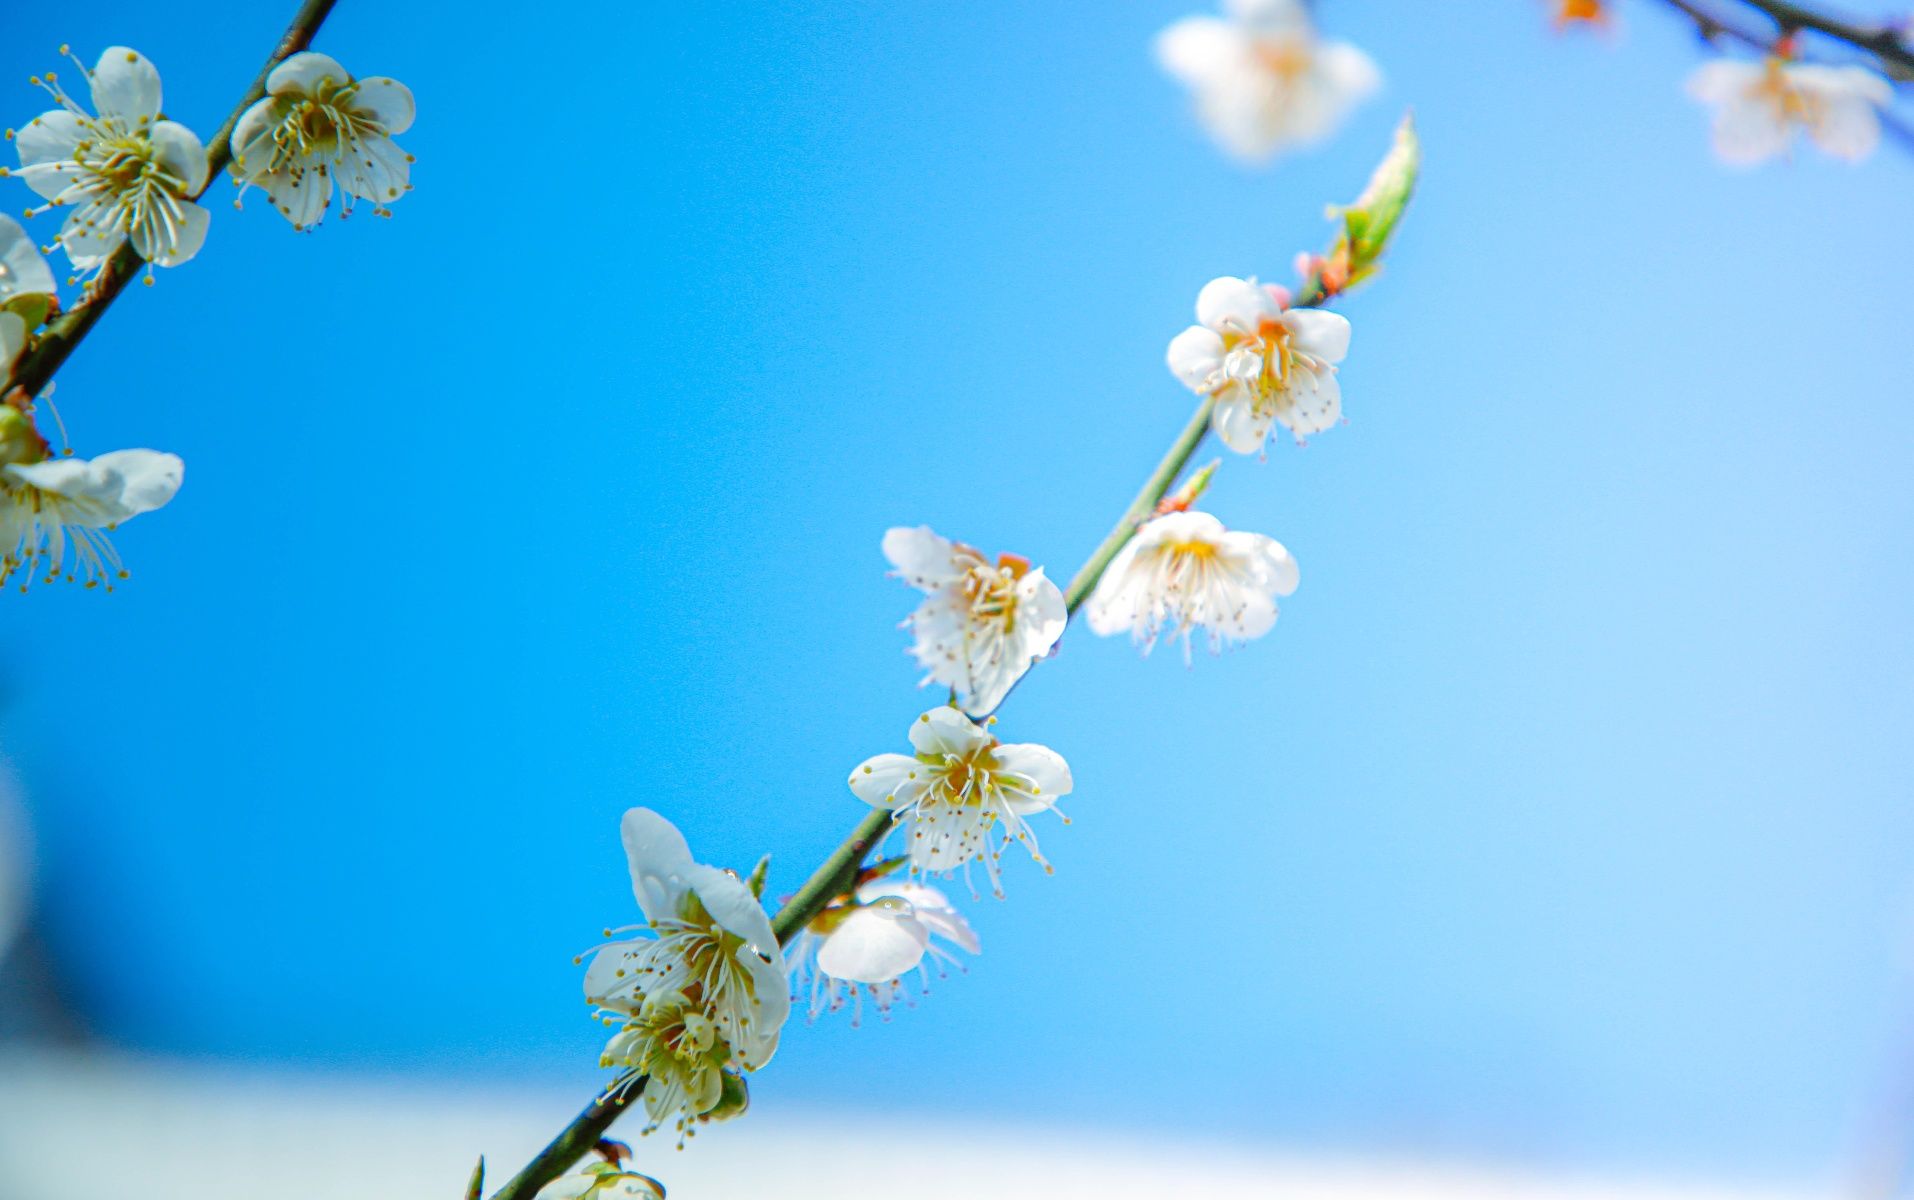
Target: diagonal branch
37 367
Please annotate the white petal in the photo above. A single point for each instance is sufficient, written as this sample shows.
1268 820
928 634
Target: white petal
88 236
126 85
1112 607
1315 401
1348 76
193 224
252 138
1041 614
302 73
300 194
108 489
1237 422
1195 356
374 169
22 269
944 730
1849 127
1199 50
1281 575
1319 332
925 560
1232 303
888 780
1047 775
1721 80
50 137
1267 14
875 944
773 1008
178 149
659 860
388 101
1749 131
732 906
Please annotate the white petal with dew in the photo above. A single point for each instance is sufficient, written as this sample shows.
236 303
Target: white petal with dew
875 943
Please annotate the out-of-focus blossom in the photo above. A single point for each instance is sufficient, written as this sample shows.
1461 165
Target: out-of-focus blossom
960 786
1262 79
126 173
980 626
316 124
1760 106
1263 361
868 943
1184 571
1582 12
602 1181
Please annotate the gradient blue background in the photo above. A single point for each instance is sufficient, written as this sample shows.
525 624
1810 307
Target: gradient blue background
1564 817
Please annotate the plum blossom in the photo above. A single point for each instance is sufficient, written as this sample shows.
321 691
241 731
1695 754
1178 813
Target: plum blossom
1759 107
125 173
316 124
1263 81
980 626
602 1181
1184 571
705 993
869 941
1263 361
47 503
960 786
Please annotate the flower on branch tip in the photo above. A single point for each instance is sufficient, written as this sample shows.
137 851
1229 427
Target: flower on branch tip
869 941
1263 362
602 1181
980 626
963 795
47 503
705 992
1263 81
1760 106
1184 571
1581 12
317 124
125 173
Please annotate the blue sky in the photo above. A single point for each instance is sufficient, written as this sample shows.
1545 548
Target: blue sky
1563 817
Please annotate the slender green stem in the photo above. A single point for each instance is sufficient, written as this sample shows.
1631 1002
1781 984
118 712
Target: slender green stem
832 879
37 367
574 1142
1154 489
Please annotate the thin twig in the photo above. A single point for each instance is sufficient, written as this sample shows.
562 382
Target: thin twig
37 367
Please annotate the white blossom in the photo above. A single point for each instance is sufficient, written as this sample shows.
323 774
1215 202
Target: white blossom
1759 107
960 786
868 942
980 626
705 992
316 124
1263 361
23 272
126 173
1184 571
1263 81
602 1181
47 503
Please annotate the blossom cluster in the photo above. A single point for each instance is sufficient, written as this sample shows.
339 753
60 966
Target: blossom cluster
128 176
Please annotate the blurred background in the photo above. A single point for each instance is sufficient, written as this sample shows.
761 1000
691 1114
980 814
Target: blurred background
1560 832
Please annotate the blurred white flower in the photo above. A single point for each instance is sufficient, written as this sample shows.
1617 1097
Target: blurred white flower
980 626
1759 106
47 502
1184 571
1262 79
712 945
1263 361
125 173
602 1181
961 784
316 124
869 942
23 272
